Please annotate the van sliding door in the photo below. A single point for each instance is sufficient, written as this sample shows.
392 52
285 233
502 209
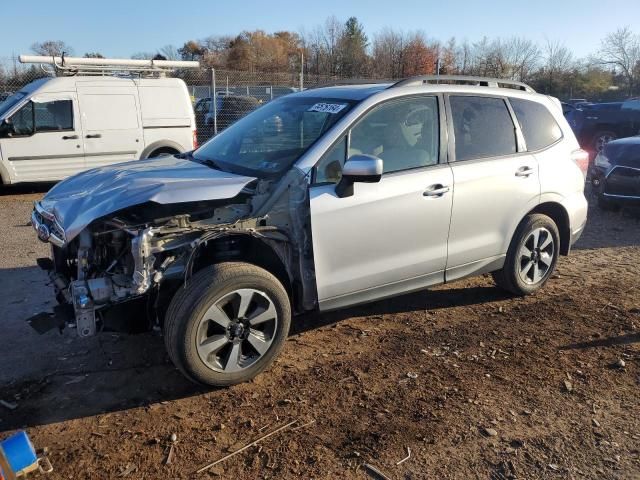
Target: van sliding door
111 126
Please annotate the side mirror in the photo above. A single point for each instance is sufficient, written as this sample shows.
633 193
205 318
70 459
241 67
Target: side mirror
359 168
6 128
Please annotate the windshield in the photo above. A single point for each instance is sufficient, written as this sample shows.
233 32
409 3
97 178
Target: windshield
269 140
10 102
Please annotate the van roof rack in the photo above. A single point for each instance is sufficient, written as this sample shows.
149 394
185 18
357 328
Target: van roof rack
463 80
107 66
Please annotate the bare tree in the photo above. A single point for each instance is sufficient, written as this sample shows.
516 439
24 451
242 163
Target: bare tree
331 37
558 60
51 48
621 49
388 53
169 52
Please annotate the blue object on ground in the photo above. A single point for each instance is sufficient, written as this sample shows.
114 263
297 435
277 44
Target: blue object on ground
19 451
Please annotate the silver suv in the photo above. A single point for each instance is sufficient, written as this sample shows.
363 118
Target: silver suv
318 200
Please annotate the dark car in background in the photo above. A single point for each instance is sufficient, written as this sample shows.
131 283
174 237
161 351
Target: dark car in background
229 109
615 174
597 124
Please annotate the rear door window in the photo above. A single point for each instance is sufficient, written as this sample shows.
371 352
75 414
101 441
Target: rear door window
482 126
538 126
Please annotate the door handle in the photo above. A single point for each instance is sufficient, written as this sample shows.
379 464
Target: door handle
94 135
436 190
524 171
70 137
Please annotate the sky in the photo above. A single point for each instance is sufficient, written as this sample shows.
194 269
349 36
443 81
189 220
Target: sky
119 28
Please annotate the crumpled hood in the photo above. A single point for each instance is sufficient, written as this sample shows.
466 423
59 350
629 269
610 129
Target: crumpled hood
79 200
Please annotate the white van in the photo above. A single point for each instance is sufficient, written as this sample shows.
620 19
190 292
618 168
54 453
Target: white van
56 127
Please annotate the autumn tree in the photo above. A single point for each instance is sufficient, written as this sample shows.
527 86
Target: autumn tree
419 57
192 50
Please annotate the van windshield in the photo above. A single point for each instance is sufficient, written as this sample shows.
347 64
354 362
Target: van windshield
269 140
10 102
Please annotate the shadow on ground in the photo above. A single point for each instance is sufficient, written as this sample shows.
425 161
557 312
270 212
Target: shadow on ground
77 378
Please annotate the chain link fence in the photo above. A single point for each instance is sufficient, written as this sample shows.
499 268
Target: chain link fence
236 93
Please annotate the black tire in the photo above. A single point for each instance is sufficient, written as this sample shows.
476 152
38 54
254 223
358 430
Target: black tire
599 137
163 152
509 278
204 289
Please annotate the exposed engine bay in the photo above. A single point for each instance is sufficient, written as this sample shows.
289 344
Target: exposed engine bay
150 250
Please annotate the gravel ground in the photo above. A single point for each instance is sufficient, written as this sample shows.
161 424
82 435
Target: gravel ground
476 383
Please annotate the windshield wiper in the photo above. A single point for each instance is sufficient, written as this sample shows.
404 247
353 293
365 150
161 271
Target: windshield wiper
207 162
210 163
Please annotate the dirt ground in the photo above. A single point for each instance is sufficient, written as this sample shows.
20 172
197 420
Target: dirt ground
478 384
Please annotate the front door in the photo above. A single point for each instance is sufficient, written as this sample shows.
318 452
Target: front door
44 142
111 126
390 237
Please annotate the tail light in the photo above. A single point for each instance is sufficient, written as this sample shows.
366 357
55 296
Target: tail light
195 138
581 158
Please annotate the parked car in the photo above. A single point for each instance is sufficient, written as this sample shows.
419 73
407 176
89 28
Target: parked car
616 173
598 124
56 127
229 109
316 201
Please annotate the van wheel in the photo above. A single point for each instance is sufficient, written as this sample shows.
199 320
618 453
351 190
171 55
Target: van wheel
532 256
228 324
163 152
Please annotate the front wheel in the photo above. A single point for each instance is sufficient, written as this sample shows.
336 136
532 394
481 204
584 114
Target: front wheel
532 256
228 324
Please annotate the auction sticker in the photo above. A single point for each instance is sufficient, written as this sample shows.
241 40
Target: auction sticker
327 107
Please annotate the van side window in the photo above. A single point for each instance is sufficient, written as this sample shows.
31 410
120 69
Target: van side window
538 126
22 120
482 126
53 116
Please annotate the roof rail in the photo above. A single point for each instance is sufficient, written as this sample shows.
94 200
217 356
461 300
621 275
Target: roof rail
344 82
462 79
102 66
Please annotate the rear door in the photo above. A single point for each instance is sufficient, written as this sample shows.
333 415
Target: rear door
46 143
496 182
111 127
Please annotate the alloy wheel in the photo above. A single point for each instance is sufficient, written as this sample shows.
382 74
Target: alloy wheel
236 330
536 256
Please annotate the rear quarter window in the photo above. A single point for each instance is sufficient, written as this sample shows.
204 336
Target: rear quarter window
538 126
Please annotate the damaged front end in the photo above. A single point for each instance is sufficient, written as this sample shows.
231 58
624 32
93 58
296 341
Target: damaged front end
147 251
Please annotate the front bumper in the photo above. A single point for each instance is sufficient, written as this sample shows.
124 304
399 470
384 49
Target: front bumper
620 184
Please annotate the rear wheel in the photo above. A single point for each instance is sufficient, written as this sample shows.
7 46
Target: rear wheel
228 324
532 256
